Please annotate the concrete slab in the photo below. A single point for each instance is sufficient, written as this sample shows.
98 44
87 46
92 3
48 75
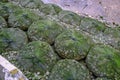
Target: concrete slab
9 71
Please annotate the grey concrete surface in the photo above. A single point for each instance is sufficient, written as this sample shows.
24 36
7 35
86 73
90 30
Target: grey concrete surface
105 10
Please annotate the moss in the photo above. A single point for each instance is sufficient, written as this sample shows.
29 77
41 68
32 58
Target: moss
103 79
4 0
105 61
114 34
3 23
3 10
50 9
3 40
69 17
56 8
72 44
92 26
69 70
23 20
31 3
45 30
37 56
7 8
12 39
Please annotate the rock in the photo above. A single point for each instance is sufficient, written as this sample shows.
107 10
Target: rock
4 10
22 20
3 23
104 61
72 44
50 9
103 79
114 34
4 1
12 39
37 56
8 8
92 26
45 30
69 70
33 4
69 17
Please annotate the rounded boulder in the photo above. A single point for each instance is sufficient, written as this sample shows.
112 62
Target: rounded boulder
37 56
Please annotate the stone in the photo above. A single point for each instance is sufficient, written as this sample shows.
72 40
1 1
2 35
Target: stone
32 4
69 70
92 26
37 56
72 44
22 20
50 9
4 0
12 39
8 8
45 30
3 23
103 79
69 17
104 61
114 34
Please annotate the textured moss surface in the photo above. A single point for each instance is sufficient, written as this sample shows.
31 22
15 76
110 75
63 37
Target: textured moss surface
69 17
8 8
104 61
50 9
31 3
23 20
3 23
72 55
45 30
72 44
12 39
4 1
102 79
69 70
115 34
92 26
37 56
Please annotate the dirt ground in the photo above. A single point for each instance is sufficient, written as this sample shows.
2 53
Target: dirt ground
105 10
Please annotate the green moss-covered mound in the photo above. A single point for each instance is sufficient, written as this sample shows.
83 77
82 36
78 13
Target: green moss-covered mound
69 70
69 17
114 33
3 23
72 44
50 9
52 48
45 30
104 61
23 20
31 3
37 56
8 8
92 26
103 79
12 39
3 0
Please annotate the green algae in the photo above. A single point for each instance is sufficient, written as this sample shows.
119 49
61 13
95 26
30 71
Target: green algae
37 56
45 30
72 44
105 61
